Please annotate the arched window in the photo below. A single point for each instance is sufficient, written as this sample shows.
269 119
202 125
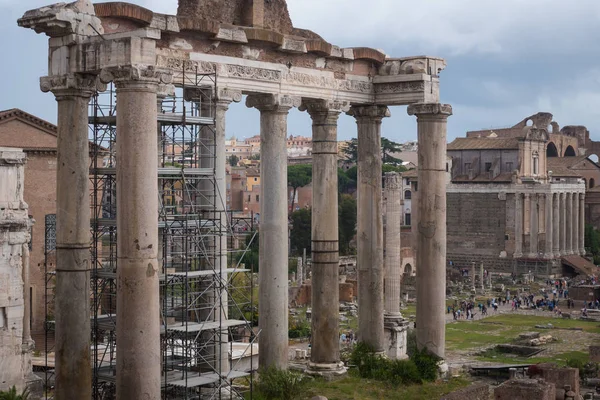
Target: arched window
407 195
551 150
570 152
592 183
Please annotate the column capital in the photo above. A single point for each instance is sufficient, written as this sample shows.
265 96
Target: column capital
165 90
424 110
273 102
81 85
369 112
138 77
226 96
392 180
324 106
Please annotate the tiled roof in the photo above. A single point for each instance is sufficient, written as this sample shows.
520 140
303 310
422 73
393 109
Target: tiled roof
561 166
18 113
484 144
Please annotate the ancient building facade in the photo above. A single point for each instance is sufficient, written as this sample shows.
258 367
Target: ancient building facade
15 335
516 199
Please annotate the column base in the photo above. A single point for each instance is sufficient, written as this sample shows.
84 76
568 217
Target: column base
394 331
548 256
517 255
443 369
326 370
582 252
557 255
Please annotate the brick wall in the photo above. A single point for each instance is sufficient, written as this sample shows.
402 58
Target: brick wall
480 391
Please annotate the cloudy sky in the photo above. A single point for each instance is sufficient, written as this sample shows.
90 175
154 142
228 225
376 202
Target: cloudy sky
506 59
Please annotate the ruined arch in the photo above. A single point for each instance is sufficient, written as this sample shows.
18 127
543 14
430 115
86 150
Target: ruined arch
551 150
570 151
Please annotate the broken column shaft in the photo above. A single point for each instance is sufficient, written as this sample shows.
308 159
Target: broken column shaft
431 263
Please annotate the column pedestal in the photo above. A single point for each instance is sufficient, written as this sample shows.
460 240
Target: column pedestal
431 263
370 225
273 231
395 330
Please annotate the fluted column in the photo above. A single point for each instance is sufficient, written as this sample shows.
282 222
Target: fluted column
273 252
582 223
370 225
431 264
575 218
518 225
569 224
556 224
393 273
138 305
563 224
549 235
325 353
72 296
533 225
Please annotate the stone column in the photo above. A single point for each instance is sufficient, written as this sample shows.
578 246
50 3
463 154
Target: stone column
582 224
548 253
27 342
563 224
569 224
431 264
300 272
556 224
273 260
325 353
370 225
575 218
473 288
533 225
72 292
481 278
518 225
393 273
138 306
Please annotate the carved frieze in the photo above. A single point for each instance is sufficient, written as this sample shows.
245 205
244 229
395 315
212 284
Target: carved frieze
416 65
399 87
229 95
182 64
325 106
245 72
86 84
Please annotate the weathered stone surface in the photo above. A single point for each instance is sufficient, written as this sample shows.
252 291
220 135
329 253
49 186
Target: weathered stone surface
525 389
272 15
480 391
595 353
15 361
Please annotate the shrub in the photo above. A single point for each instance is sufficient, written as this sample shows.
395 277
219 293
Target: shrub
402 372
11 394
427 364
277 384
298 329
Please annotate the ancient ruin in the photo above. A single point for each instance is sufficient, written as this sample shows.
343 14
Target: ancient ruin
252 49
15 335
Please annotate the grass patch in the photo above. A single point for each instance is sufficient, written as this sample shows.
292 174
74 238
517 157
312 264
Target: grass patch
353 387
561 359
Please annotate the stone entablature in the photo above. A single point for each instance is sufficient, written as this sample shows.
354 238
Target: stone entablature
124 35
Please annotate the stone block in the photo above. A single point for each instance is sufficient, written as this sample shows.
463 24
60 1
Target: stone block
479 391
525 389
395 339
560 377
595 353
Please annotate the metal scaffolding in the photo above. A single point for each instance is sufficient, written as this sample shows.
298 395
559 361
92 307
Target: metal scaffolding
207 312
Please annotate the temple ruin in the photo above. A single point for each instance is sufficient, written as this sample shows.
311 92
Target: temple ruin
253 50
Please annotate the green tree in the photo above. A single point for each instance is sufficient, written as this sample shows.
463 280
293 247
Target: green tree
345 183
299 176
255 157
346 222
233 160
592 242
301 231
250 254
12 394
387 148
392 168
351 151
